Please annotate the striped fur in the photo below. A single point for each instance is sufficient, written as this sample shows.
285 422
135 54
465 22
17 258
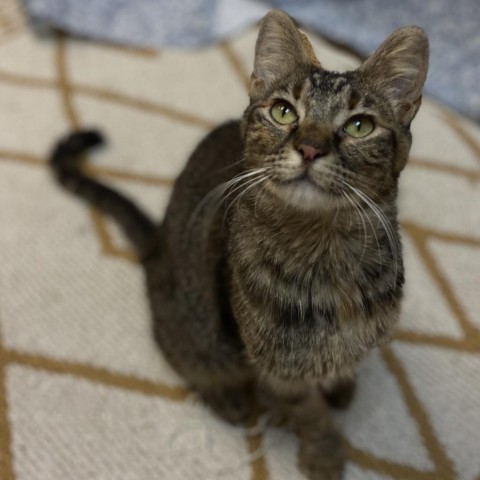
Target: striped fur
269 272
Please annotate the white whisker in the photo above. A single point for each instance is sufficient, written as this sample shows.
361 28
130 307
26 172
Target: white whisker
373 229
256 182
387 227
216 194
355 206
238 187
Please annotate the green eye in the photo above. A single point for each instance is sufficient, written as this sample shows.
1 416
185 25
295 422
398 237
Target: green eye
359 127
283 113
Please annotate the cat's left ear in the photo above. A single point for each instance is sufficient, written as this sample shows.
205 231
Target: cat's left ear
398 69
280 49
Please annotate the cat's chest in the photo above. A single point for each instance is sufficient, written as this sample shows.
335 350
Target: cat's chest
330 259
304 282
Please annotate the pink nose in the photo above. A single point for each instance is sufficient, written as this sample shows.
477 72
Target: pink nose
311 153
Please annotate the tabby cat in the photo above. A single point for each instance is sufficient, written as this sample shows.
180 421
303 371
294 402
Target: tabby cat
278 265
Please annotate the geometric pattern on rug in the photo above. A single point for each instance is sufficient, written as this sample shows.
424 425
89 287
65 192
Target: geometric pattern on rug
416 413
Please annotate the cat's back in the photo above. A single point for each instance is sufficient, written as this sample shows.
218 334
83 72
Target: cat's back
215 157
186 277
197 190
191 239
215 160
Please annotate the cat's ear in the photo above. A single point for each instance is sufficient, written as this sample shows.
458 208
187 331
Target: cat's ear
280 48
398 69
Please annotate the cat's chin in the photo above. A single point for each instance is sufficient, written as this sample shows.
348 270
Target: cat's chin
306 195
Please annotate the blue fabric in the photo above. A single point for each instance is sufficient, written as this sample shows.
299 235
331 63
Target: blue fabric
452 26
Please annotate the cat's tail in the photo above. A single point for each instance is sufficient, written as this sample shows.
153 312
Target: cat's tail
66 162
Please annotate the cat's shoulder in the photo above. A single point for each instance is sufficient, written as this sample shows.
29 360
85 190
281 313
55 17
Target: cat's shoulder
226 135
222 147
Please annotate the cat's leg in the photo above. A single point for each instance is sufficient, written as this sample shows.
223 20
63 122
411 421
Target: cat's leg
321 453
223 382
340 392
221 377
233 402
228 389
211 362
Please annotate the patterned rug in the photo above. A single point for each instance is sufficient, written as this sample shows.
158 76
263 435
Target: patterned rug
360 24
84 393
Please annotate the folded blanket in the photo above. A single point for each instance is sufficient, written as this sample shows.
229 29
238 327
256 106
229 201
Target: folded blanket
453 29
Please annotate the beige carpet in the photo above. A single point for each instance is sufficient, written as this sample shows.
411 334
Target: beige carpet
84 393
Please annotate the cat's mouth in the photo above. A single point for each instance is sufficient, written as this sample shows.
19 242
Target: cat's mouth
307 190
298 179
306 179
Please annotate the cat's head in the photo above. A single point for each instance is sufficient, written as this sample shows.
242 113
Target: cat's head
319 133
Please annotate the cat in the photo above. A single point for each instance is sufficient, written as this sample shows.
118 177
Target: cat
278 265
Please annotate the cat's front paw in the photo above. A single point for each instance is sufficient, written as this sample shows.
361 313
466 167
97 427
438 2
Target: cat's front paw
322 458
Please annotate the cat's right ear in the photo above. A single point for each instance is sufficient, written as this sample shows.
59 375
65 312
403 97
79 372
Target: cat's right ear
398 69
280 48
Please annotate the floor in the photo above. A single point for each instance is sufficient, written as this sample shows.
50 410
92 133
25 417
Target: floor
84 393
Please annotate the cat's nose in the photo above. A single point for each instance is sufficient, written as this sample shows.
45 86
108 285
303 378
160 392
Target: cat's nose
311 152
